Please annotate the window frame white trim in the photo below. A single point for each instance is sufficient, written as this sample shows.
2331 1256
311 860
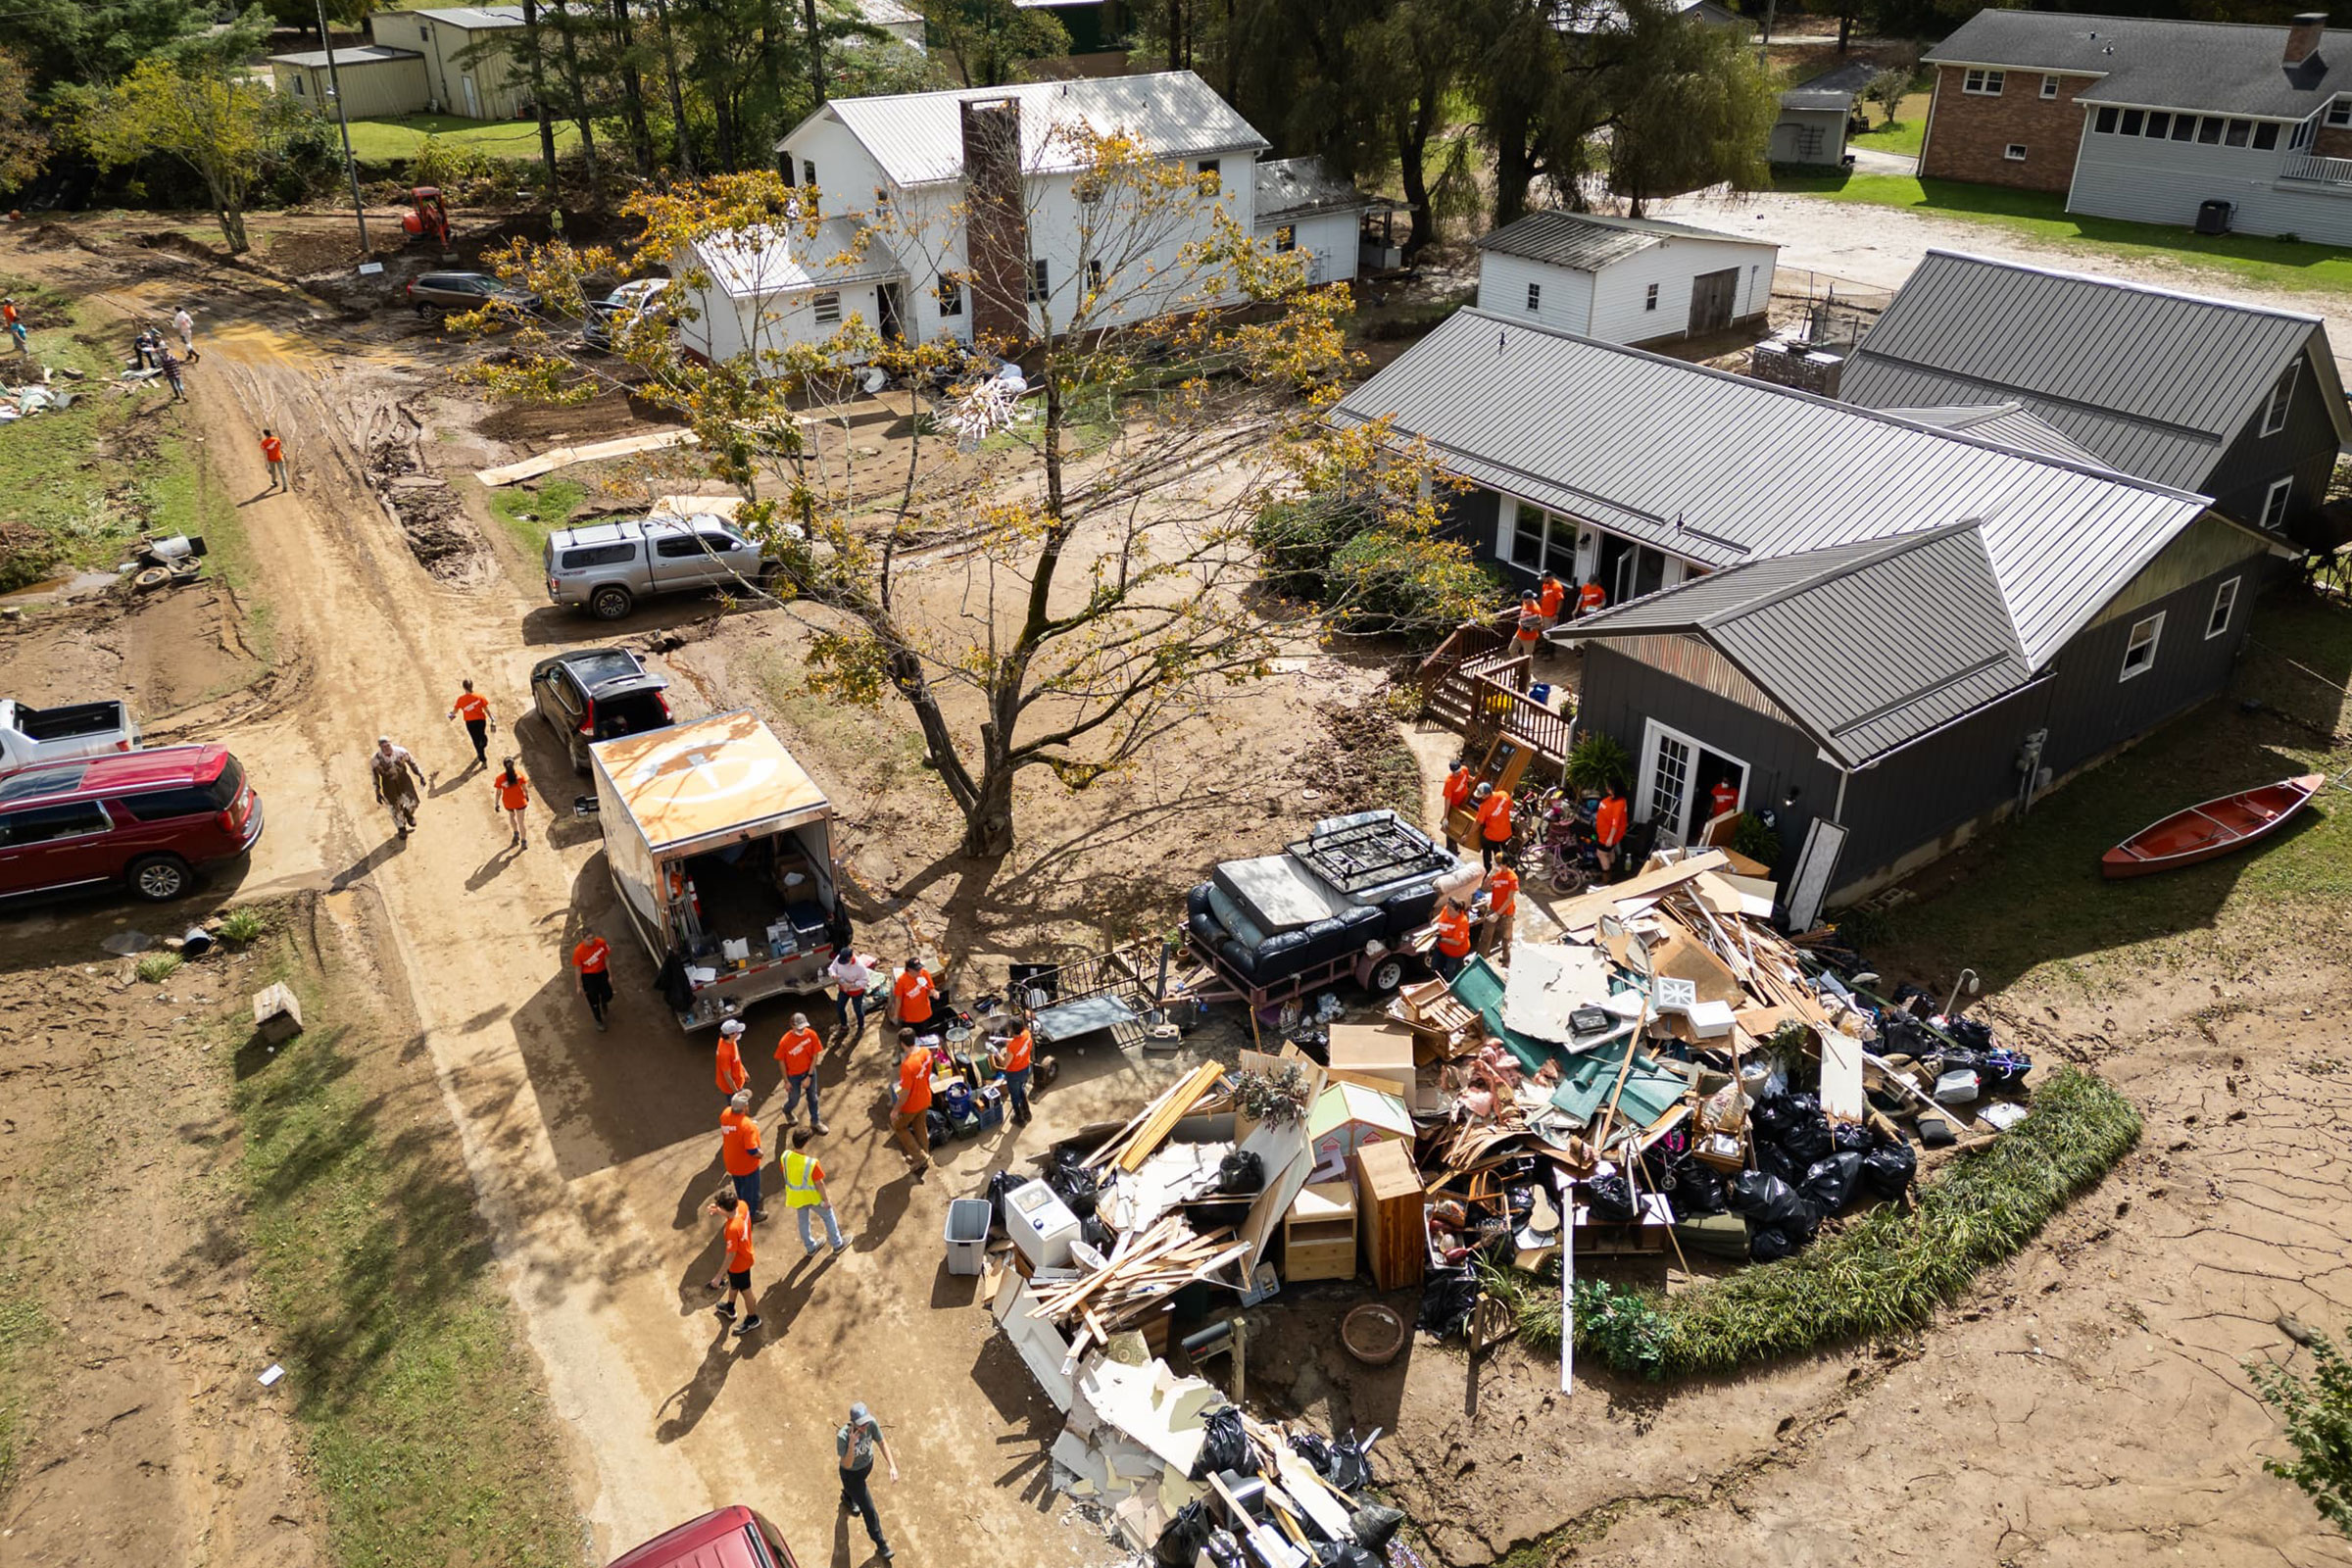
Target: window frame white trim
2282 401
2049 85
822 301
2225 608
1650 300
2283 492
2014 153
2131 644
1983 82
2338 113
1535 299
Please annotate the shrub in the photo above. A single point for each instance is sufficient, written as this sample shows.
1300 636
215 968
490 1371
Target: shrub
244 926
1596 762
1382 583
1295 541
2318 1412
438 161
1759 843
156 968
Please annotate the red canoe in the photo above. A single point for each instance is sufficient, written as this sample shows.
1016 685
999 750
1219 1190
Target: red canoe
2215 827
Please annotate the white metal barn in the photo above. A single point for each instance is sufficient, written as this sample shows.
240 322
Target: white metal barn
1624 279
771 289
1301 206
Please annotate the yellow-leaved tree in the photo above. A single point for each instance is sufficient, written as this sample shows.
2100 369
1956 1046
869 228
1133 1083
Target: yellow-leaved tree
223 127
1095 383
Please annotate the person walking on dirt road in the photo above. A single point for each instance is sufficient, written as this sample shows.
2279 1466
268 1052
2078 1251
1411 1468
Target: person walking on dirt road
804 1192
732 1078
800 1051
168 363
274 452
740 1152
911 1120
856 1443
397 776
475 712
512 793
591 962
734 1274
186 325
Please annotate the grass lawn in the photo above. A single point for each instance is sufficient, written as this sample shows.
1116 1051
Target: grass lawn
2027 900
532 512
408 1369
385 141
1909 129
23 1327
2272 263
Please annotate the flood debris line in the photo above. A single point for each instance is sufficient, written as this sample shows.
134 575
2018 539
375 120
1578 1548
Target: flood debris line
35 397
430 518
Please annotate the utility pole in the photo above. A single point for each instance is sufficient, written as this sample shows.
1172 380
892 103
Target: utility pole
351 168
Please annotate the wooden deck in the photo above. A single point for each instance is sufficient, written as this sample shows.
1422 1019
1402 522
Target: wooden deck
1472 683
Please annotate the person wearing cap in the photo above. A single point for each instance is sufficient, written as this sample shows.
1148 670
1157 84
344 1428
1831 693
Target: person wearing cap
730 1074
14 320
739 1151
911 994
1530 628
1452 948
1459 781
856 1443
910 1117
1015 1055
1494 823
1502 913
852 978
800 1051
734 1274
804 1192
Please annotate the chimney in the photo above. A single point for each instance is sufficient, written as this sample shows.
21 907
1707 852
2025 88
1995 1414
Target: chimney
2303 36
996 226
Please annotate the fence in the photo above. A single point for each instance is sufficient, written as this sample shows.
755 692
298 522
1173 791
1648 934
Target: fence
1826 308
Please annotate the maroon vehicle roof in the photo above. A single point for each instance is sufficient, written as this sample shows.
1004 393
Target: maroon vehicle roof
715 1541
113 773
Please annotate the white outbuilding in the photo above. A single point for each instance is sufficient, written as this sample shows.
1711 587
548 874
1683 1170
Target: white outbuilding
1624 279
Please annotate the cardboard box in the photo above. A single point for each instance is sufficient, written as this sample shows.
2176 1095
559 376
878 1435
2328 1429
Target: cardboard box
1375 1051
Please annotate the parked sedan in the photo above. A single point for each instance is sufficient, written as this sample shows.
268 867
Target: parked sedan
593 693
438 292
144 820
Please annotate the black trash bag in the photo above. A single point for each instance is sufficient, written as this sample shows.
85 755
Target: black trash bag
1072 1184
1850 1138
1179 1545
1446 1297
1243 1175
1611 1198
1773 1159
1226 1447
2005 1068
1350 1465
1096 1234
1935 1132
941 1130
1829 1184
1763 1198
1772 1115
1806 1224
1697 1187
1765 1243
1888 1171
1311 1447
1375 1523
1345 1555
1808 1135
999 1190
1970 1032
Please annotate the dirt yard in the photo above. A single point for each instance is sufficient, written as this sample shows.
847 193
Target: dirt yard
2084 1405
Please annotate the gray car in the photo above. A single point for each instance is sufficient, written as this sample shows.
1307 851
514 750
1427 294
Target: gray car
437 292
606 567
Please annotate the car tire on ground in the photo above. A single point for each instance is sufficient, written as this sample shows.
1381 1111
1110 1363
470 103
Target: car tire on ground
159 878
578 753
611 601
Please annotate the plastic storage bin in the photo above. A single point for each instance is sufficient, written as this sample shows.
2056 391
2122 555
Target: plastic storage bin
967 1235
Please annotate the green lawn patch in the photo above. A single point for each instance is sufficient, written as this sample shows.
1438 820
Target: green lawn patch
1886 1272
1904 136
408 1371
391 141
2272 262
532 512
24 1326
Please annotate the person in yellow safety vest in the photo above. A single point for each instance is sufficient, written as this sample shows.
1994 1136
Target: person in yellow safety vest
804 1191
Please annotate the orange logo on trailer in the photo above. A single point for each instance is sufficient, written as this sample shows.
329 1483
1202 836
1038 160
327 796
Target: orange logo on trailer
699 778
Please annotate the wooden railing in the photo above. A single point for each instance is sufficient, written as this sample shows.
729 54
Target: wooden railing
1472 683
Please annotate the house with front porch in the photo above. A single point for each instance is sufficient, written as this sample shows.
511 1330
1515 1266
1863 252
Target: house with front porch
2222 125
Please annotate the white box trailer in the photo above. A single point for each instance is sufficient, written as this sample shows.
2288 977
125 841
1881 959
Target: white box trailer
721 847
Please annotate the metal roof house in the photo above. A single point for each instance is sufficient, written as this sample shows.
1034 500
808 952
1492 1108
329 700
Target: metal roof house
374 80
469 69
1303 206
763 291
1624 279
2237 402
907 163
2240 125
1851 616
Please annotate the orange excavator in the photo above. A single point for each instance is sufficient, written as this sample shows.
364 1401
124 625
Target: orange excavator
430 219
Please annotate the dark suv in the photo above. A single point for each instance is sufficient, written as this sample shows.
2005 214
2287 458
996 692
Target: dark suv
436 292
595 694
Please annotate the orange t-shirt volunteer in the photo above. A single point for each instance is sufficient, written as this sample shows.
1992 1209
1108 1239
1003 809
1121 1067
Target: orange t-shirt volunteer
739 1142
591 956
273 450
513 796
1609 821
1457 787
1494 816
912 988
796 1051
8 313
731 1075
1723 797
1454 934
1549 597
1591 597
914 1081
739 1240
1530 622
472 706
1019 1051
1503 892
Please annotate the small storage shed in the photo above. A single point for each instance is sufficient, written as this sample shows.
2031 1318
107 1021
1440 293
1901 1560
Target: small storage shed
1815 114
1624 279
1303 206
1347 1117
376 80
771 289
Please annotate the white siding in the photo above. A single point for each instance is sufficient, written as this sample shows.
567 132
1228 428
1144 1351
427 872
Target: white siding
847 176
2162 183
1564 303
773 322
1330 237
1620 310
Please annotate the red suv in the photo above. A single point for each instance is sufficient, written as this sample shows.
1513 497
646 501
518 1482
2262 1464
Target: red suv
730 1538
140 819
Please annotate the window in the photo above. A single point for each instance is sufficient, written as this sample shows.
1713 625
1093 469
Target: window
950 294
2209 132
192 799
1285 239
1984 83
2237 134
2139 654
679 547
298 88
2274 413
43 823
2049 87
1094 275
2266 135
2015 151
827 308
1535 298
1542 539
808 173
2339 111
1650 300
1212 180
2160 126
2105 124
2275 502
2305 129
2135 120
1808 141
599 556
2224 604
2184 127
1041 285
784 167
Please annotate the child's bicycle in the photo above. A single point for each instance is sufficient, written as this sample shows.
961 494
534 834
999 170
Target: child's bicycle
1561 847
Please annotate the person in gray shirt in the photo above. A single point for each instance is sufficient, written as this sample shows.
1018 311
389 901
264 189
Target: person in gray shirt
856 1443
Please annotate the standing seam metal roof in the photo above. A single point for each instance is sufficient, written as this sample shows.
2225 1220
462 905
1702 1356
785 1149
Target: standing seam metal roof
2005 422
1294 187
2222 67
2155 383
1589 241
475 17
917 137
1721 469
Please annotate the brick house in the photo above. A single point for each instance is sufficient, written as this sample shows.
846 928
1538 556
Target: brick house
2245 126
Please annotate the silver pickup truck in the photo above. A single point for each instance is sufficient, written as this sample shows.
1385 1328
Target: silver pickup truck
63 734
606 567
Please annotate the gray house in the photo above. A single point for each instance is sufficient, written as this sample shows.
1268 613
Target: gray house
2237 402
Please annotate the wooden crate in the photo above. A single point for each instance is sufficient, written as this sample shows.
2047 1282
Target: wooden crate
1390 1215
1318 1235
